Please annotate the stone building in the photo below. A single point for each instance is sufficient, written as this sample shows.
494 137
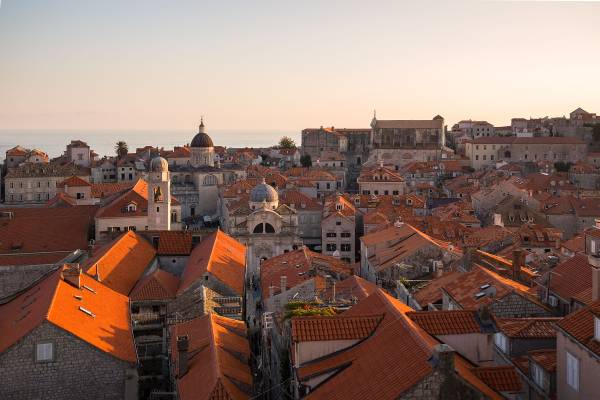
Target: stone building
36 183
266 226
338 228
67 337
381 180
487 151
79 153
130 211
195 184
402 141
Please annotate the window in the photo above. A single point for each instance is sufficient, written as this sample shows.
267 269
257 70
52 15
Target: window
477 157
331 247
345 234
572 371
501 341
44 352
346 247
537 373
395 192
331 234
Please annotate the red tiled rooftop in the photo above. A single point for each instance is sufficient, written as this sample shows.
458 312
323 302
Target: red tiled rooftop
500 378
545 358
174 243
533 328
340 327
455 322
159 285
580 326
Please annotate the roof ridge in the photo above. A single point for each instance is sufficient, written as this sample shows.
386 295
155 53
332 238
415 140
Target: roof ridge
54 295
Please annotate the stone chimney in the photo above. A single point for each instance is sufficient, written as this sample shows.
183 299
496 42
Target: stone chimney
72 274
443 359
470 257
484 315
183 345
283 283
517 263
595 263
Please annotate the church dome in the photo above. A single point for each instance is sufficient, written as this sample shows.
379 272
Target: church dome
159 164
264 192
201 139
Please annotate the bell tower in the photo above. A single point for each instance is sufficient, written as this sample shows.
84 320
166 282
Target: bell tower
159 195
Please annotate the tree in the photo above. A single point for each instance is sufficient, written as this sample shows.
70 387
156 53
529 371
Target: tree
306 161
561 166
287 142
121 149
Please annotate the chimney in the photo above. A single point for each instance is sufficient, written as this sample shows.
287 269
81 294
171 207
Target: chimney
283 285
485 317
183 344
90 249
72 274
271 291
470 257
443 359
516 263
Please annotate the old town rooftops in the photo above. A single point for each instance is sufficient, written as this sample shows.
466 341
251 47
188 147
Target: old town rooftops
220 255
90 311
218 359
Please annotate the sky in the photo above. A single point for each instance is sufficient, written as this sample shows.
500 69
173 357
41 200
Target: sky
149 64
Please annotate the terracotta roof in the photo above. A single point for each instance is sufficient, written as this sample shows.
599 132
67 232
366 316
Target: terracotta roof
174 243
380 175
545 358
53 300
340 327
530 328
218 366
455 322
74 181
30 236
299 200
52 169
501 378
572 277
17 151
159 285
295 265
102 190
398 347
579 325
432 291
121 263
465 289
410 124
220 255
353 287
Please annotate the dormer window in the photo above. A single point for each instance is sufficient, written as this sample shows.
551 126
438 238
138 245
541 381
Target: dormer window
131 207
338 207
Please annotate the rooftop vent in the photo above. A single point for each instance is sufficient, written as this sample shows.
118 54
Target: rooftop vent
479 295
86 311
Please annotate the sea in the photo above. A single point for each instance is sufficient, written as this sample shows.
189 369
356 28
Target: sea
54 142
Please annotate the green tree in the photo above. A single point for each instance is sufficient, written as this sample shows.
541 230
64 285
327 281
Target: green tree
287 142
306 161
121 149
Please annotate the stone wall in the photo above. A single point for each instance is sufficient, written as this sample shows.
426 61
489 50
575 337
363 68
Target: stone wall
78 371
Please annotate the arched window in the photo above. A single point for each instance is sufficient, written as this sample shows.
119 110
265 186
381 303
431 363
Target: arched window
188 179
210 180
259 228
175 179
269 228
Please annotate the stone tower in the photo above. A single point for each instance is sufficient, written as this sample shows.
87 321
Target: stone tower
159 195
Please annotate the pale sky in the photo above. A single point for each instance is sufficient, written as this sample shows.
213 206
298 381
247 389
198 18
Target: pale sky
124 64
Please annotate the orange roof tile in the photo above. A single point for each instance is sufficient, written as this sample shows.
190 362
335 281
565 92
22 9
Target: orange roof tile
53 300
533 328
102 190
219 354
432 291
173 243
463 290
455 322
398 346
159 285
121 263
545 358
339 327
580 326
295 265
74 181
501 378
220 255
572 277
353 287
44 235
